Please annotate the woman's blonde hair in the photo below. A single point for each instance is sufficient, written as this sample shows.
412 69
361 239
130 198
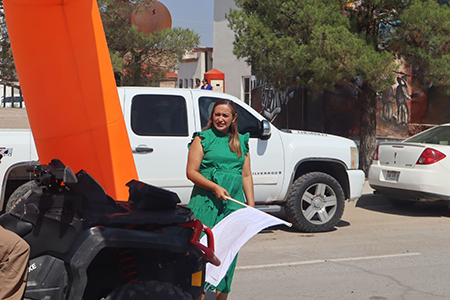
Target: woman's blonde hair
235 145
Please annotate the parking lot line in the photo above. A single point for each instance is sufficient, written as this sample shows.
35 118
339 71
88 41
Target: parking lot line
318 261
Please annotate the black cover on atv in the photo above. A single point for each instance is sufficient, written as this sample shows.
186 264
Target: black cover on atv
178 215
148 197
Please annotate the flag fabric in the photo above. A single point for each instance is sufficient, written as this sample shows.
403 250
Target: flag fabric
231 234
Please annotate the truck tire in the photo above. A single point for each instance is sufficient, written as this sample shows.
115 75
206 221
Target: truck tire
149 290
19 193
316 202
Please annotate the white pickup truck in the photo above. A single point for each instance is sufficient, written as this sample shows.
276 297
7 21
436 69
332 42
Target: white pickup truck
310 174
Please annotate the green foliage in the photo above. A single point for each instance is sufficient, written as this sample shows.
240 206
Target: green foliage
317 43
311 43
424 39
139 58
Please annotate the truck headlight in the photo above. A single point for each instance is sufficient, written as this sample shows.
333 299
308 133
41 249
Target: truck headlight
354 154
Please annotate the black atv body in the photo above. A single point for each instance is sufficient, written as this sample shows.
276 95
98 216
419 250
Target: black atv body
85 245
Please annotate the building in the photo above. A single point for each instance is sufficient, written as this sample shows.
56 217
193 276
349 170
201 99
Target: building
194 65
238 77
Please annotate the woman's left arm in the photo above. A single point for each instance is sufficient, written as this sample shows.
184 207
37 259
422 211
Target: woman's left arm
247 181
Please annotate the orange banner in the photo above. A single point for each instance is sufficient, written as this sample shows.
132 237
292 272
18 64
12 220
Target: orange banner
68 84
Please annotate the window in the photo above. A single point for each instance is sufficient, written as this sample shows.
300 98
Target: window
191 83
246 121
248 84
159 115
439 135
180 83
186 83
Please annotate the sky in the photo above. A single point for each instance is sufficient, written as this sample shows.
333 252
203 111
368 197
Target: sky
197 15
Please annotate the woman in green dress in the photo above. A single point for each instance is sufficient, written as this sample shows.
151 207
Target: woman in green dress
219 166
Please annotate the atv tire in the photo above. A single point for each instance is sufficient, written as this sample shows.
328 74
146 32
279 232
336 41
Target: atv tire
149 290
19 193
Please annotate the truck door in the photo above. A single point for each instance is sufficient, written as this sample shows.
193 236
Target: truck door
266 156
158 127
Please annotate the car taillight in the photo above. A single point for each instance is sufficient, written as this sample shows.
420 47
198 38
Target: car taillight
430 156
375 155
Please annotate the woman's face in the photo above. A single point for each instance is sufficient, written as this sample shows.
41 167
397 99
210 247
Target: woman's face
222 118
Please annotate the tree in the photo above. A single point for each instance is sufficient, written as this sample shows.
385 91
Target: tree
139 58
320 43
7 68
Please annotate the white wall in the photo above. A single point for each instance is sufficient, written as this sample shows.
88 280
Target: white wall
195 69
224 59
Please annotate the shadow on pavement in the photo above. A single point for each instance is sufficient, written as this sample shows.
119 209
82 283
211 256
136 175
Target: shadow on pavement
380 204
282 215
342 223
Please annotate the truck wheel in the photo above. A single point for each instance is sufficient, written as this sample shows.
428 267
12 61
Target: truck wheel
146 290
19 193
316 202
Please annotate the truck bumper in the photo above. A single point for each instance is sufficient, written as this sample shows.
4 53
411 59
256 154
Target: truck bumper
356 180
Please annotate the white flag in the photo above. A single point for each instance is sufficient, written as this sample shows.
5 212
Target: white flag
232 233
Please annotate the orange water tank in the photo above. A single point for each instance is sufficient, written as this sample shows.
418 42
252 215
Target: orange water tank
151 17
216 78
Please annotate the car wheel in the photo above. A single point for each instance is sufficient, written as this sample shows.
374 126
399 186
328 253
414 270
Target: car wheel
144 290
19 193
401 203
316 202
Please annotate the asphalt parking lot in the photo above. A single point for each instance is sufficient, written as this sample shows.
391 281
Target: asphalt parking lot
376 252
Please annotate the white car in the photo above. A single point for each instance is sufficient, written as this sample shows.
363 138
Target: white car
416 169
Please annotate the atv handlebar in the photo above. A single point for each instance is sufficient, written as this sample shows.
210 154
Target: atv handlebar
52 174
207 251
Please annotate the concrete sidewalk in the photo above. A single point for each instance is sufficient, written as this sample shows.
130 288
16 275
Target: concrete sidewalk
13 118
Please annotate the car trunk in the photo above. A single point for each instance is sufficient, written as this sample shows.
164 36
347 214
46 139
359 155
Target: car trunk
400 155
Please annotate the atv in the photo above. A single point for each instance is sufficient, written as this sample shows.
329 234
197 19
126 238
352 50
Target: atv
85 245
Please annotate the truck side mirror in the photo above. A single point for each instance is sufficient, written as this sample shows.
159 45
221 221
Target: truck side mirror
264 130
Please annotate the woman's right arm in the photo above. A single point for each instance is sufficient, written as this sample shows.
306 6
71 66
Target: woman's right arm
195 157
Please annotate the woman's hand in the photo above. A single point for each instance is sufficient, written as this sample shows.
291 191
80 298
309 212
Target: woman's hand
220 193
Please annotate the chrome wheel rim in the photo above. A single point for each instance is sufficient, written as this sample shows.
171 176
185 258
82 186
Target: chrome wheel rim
318 203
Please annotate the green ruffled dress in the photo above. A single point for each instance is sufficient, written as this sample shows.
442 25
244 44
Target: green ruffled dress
223 167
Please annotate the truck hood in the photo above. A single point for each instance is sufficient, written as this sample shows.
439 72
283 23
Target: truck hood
321 146
320 137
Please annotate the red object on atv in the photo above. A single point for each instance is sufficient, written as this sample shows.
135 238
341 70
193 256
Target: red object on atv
207 252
